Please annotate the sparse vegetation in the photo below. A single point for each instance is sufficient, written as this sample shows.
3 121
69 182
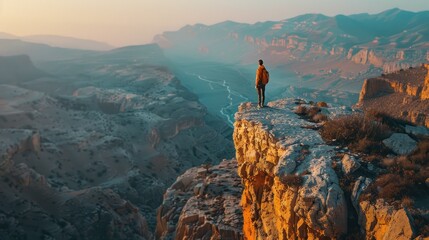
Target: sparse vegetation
322 104
406 177
359 132
399 180
312 113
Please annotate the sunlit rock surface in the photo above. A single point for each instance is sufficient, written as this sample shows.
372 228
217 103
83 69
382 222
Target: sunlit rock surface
290 190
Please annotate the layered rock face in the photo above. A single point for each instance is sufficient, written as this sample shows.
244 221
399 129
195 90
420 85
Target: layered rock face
203 203
290 190
403 94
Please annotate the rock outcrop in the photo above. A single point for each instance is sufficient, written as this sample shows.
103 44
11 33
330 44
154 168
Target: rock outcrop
425 92
290 189
403 94
203 203
382 221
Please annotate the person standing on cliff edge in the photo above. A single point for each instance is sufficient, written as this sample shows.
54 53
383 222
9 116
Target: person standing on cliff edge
262 78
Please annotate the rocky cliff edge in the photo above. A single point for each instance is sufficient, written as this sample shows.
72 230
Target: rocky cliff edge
290 189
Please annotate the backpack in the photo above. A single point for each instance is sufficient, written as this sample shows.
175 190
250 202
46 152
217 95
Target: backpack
265 76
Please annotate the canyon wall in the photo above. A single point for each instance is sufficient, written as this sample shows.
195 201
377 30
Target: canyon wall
402 94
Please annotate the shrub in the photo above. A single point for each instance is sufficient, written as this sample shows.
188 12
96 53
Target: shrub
357 130
421 154
388 186
301 110
322 104
395 124
312 112
309 113
320 117
342 129
366 145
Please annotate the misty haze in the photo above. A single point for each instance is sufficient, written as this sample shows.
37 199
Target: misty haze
122 123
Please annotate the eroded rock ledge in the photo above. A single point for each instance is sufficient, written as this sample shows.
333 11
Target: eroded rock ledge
203 203
290 189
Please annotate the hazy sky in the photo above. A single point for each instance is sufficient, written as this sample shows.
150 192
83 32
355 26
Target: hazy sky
124 22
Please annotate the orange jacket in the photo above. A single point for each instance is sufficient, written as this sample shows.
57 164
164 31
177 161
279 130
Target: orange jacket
259 74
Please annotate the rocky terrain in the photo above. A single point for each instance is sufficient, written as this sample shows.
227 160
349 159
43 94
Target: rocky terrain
403 94
322 52
110 132
31 207
203 203
297 186
294 182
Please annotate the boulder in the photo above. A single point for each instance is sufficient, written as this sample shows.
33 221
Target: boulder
400 226
349 164
400 143
382 221
418 131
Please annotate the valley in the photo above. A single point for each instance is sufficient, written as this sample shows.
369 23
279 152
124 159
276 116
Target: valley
114 125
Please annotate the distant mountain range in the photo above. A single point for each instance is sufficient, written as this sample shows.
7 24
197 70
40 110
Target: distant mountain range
317 48
39 52
61 41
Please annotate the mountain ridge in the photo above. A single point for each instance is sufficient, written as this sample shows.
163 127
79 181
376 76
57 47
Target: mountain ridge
61 41
322 51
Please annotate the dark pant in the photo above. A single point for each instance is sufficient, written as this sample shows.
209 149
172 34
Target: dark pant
261 94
